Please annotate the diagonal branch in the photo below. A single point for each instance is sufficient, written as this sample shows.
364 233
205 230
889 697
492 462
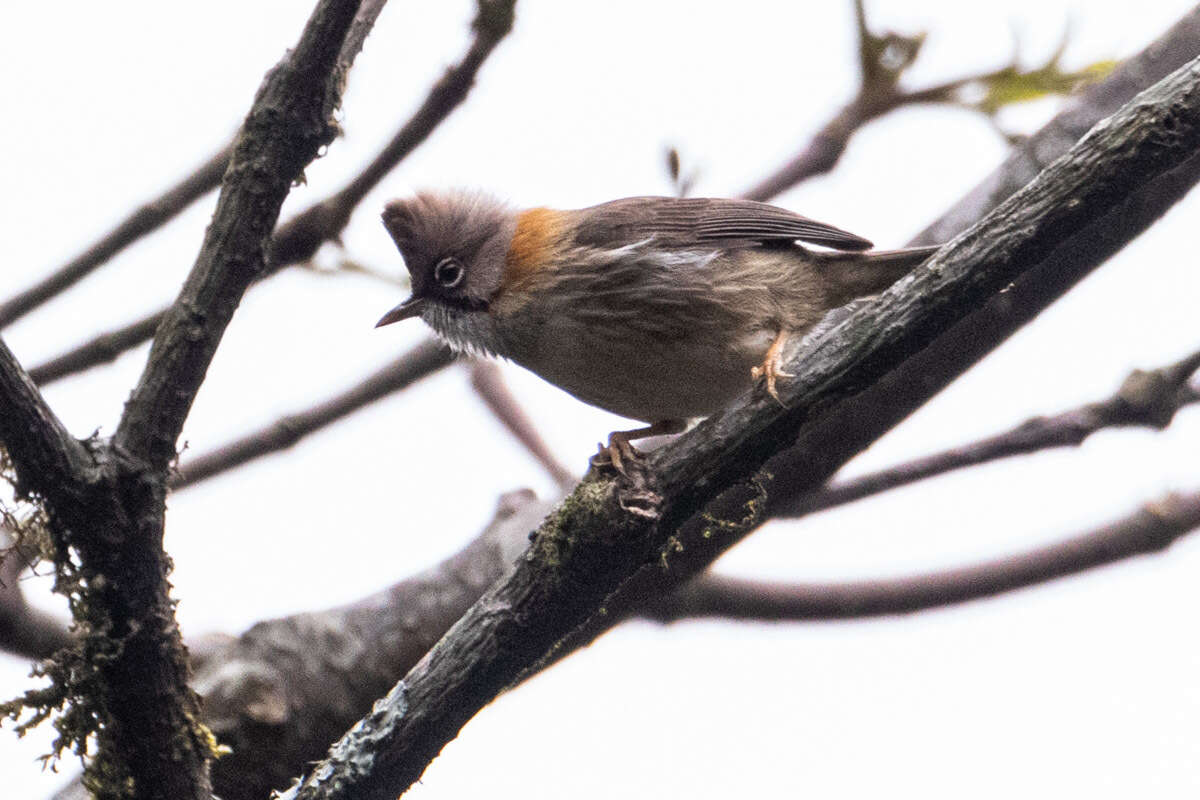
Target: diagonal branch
268 692
1150 529
608 531
243 678
421 361
148 217
101 349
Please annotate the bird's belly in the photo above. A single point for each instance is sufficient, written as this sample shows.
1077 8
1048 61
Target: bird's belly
647 379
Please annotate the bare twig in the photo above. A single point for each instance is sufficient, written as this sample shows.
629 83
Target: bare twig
490 386
1147 399
296 240
883 60
146 218
360 29
101 349
1150 529
419 362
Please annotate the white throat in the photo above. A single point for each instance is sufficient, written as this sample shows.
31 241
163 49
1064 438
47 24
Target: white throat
470 332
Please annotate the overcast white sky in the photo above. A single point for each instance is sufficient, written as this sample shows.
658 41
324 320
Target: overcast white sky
1087 686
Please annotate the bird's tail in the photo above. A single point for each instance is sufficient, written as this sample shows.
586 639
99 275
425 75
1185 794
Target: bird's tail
852 275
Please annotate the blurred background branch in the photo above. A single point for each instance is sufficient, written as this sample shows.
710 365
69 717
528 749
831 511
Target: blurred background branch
883 60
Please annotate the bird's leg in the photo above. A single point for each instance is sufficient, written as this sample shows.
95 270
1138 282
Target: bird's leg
771 369
619 449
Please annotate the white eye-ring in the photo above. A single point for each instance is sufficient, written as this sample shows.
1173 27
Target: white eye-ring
449 272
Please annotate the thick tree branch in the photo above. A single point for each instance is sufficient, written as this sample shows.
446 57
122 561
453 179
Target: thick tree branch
268 157
607 530
298 239
1150 529
1146 399
421 361
267 692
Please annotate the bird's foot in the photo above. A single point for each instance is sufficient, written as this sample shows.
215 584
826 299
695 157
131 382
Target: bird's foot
621 455
771 369
618 453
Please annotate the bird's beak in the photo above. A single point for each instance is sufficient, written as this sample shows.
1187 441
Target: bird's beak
412 307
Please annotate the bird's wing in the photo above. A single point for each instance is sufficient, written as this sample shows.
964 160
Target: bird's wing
697 221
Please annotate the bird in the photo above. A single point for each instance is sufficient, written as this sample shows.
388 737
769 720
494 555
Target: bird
658 309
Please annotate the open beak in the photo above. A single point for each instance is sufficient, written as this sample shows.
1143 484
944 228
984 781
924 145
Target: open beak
412 307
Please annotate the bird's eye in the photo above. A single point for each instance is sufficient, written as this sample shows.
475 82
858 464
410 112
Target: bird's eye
448 272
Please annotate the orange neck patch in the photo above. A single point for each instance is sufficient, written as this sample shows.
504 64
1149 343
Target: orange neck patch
535 242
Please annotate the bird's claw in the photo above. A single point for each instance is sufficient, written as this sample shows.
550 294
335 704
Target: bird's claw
771 369
618 454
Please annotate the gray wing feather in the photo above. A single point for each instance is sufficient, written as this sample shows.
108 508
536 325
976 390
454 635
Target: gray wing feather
696 221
